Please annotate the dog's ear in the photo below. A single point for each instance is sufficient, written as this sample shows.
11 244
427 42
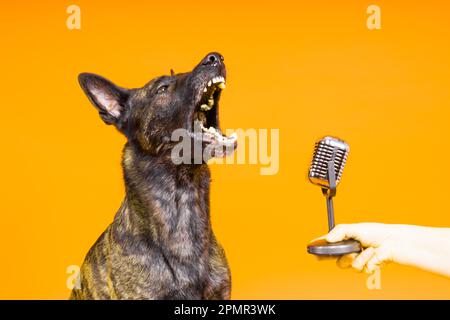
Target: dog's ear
109 99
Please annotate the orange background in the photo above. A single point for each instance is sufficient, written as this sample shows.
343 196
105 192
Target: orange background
309 68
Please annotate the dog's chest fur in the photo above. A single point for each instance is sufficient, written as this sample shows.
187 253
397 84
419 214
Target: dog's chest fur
160 245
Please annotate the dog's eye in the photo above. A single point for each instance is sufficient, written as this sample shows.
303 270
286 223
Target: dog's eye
162 89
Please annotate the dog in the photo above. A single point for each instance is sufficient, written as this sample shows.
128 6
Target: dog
160 244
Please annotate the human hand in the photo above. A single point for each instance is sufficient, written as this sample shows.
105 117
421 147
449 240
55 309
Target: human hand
427 248
380 243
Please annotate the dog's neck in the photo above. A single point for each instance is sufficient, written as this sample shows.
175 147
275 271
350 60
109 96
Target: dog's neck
166 203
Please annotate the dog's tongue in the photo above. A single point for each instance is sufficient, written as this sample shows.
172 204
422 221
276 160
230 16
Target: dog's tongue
222 146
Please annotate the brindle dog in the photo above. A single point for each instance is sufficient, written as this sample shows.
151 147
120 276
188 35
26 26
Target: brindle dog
160 244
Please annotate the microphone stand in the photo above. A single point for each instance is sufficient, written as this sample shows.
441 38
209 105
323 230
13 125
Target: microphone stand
330 192
322 247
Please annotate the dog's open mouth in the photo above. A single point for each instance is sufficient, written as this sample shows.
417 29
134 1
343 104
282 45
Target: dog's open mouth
206 119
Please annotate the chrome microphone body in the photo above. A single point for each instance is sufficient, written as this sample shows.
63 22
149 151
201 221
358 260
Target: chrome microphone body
326 150
329 158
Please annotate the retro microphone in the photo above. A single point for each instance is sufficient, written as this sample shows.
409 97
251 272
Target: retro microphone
330 155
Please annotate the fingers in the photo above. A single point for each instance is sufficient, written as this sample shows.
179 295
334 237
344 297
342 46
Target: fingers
373 236
370 260
362 259
346 261
341 232
379 257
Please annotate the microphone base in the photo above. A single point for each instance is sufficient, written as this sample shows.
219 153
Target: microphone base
324 248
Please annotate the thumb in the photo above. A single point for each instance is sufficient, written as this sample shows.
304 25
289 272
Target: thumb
339 233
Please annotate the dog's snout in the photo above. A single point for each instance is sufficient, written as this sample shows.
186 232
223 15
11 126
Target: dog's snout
210 66
213 59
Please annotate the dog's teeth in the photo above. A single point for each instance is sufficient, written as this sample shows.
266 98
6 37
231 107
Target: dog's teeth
204 90
205 107
209 83
222 85
211 102
210 130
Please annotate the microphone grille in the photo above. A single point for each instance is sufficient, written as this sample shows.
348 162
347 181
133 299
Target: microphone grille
323 153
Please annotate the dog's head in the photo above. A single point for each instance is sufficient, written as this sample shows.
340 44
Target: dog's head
149 115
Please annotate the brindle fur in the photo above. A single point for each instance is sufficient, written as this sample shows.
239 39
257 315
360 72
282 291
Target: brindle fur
160 244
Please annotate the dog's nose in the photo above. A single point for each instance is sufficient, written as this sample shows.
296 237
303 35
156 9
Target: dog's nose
213 59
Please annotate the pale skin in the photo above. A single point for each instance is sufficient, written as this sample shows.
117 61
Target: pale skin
427 248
